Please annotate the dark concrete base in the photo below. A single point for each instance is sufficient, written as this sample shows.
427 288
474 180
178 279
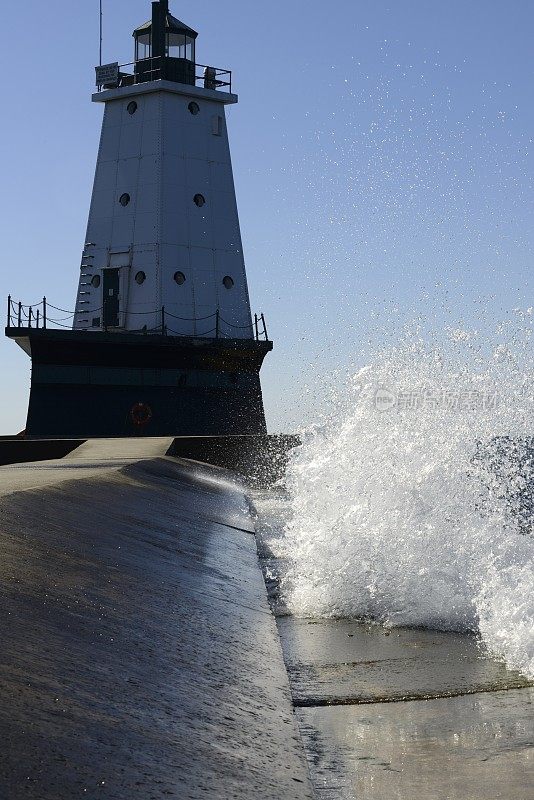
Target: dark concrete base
18 451
88 384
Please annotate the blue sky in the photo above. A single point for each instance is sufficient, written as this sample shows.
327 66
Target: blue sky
383 156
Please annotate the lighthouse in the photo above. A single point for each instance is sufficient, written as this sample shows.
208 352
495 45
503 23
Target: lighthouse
163 341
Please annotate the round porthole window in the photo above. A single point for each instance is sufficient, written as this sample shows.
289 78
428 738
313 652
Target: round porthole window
124 199
228 282
179 277
194 108
140 278
199 200
95 281
131 108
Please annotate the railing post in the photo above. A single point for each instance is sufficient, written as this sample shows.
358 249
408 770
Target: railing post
9 311
217 313
163 320
256 326
37 318
264 327
20 315
30 317
44 312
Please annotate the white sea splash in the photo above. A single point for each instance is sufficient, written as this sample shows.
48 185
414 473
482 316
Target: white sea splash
417 512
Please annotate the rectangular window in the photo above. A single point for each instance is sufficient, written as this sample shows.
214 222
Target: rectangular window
217 125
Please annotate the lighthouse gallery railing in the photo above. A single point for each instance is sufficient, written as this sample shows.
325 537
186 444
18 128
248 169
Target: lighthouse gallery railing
154 69
38 315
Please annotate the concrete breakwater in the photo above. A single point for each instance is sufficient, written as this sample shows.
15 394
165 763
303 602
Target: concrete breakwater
262 460
139 657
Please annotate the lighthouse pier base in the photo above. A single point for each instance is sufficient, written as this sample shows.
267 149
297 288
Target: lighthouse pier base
98 384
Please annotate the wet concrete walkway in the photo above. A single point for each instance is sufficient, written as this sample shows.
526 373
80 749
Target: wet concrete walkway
138 654
408 714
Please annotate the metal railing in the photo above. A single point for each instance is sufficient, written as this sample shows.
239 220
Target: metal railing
23 316
38 315
158 68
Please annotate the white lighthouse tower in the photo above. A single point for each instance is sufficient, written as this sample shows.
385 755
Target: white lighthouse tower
163 342
163 238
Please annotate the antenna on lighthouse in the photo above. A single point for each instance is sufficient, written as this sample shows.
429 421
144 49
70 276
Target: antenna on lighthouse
101 33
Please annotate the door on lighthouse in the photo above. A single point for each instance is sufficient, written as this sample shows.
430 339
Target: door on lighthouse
111 298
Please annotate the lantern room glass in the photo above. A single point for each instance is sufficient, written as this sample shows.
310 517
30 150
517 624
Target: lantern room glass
179 45
143 46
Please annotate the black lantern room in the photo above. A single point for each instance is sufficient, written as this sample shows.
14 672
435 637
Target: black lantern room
165 48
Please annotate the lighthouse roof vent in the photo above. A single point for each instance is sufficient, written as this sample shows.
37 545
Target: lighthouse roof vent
172 25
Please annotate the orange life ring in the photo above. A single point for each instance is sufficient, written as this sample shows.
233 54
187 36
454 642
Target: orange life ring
141 414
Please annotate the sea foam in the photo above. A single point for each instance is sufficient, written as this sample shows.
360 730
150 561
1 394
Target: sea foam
407 505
